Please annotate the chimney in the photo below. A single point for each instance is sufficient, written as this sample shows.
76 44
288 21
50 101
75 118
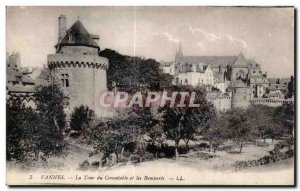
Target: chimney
61 27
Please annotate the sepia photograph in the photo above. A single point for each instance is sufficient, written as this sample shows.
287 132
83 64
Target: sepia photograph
150 95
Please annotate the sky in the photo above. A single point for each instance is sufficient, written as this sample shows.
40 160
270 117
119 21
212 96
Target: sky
263 34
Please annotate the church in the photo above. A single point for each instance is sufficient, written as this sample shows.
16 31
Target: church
236 78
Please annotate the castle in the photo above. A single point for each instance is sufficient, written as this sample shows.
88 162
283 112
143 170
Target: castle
238 81
77 67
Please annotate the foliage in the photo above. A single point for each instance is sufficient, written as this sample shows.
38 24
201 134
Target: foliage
291 88
239 127
183 123
50 108
31 133
217 132
49 101
133 72
128 126
80 116
260 118
15 117
285 116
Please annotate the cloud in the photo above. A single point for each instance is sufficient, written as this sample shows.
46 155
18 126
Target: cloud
214 37
171 38
197 41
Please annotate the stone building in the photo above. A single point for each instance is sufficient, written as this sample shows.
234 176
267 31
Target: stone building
19 85
238 79
77 67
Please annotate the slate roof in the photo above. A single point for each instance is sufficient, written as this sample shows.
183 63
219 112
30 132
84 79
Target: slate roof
13 75
44 75
240 62
165 64
22 89
81 37
213 61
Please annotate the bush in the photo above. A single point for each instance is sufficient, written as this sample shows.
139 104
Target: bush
80 116
281 151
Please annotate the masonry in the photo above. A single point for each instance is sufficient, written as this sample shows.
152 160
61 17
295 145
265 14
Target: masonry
77 67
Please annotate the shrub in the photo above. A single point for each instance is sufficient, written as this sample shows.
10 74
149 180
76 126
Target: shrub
80 116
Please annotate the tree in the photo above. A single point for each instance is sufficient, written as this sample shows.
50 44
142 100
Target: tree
291 90
127 126
260 118
285 115
183 123
80 116
129 73
172 126
14 129
52 119
239 127
157 136
196 120
217 132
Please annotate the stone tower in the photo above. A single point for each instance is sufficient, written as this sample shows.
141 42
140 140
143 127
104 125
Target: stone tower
240 94
77 67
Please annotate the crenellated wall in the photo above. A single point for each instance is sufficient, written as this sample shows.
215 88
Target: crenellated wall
86 75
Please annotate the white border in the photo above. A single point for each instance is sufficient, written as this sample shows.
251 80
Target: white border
5 3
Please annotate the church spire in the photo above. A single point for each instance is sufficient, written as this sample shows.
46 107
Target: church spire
180 54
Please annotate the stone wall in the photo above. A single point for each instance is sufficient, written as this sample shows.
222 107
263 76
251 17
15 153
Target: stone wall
86 76
272 102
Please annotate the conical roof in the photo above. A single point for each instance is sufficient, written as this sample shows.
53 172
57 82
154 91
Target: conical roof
80 37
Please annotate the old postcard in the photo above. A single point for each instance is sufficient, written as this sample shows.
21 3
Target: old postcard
150 96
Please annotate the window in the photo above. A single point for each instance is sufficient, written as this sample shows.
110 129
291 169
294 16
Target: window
253 71
186 81
71 37
65 80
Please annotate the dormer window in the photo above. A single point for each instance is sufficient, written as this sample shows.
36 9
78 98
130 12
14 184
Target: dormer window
71 37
